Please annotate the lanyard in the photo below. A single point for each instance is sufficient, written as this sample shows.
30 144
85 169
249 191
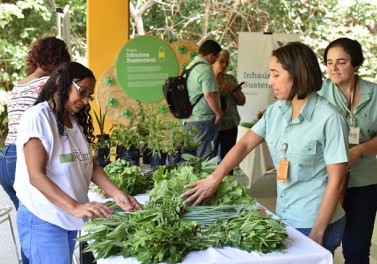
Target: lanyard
348 108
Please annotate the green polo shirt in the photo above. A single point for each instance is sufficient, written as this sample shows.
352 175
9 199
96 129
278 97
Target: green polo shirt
364 171
316 138
201 80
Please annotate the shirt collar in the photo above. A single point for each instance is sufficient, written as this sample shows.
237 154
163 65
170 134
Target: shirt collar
306 112
308 109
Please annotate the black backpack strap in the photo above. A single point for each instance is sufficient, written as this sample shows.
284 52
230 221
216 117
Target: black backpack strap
187 72
197 101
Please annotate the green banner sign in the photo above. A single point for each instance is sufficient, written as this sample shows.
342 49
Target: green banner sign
142 66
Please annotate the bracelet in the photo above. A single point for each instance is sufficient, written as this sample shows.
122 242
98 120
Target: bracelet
361 151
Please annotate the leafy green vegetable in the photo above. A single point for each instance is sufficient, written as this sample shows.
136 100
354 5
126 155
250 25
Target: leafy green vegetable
170 183
166 229
250 230
126 177
151 236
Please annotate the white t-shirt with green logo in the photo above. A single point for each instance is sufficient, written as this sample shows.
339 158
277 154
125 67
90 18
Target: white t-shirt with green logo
69 165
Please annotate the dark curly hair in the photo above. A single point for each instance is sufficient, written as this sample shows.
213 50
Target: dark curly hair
47 53
57 89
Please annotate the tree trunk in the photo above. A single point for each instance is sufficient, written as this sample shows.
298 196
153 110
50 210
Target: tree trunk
137 16
207 7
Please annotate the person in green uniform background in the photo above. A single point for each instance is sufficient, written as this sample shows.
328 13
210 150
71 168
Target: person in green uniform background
357 100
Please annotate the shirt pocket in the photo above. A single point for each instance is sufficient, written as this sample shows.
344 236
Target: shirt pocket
303 162
368 127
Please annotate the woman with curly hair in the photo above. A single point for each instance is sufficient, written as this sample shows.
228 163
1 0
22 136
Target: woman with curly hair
45 55
55 167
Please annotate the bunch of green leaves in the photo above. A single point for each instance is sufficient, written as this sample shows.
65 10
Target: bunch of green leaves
231 192
190 138
199 164
151 236
248 124
107 235
126 177
206 215
126 136
170 183
251 230
169 243
173 203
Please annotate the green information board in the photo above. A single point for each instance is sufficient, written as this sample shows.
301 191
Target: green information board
142 66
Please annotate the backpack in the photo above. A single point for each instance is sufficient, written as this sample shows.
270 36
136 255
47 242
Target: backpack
177 96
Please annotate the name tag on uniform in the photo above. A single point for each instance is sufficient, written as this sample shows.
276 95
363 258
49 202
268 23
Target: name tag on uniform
354 135
282 172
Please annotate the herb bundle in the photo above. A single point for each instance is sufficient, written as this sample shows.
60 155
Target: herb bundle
127 177
251 230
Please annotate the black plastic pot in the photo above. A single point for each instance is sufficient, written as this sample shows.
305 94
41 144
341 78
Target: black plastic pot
174 158
101 156
158 160
147 156
188 151
132 154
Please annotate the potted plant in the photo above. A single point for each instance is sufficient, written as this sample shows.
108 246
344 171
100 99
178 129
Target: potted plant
141 119
191 141
156 139
103 143
175 139
127 142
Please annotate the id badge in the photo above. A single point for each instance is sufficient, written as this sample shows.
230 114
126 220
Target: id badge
354 136
282 172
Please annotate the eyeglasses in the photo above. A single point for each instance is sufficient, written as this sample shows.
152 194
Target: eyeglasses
83 92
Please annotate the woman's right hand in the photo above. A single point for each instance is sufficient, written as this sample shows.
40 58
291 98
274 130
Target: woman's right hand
92 210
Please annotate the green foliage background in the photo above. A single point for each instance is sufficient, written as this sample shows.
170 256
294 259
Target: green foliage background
21 23
316 21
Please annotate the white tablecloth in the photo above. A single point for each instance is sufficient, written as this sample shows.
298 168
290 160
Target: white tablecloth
300 250
257 162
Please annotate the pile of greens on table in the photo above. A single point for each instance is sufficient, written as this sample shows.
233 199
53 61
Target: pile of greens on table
127 177
167 230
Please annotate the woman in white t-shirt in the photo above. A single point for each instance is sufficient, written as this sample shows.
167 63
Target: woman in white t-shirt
43 57
55 167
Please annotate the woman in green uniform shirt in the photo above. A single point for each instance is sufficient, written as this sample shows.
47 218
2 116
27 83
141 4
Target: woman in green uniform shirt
306 135
357 100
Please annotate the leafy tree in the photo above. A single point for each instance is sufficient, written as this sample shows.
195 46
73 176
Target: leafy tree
317 22
21 23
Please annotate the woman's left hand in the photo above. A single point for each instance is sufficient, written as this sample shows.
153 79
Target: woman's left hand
316 237
126 202
226 88
353 156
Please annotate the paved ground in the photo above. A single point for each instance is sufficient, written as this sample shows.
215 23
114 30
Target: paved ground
7 248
